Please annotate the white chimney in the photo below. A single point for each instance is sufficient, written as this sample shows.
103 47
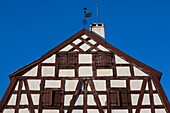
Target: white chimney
98 28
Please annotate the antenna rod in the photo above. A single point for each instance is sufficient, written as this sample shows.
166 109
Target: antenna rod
97 12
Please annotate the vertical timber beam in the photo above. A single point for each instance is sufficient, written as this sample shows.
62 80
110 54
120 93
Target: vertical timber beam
129 96
62 96
18 96
85 97
108 96
31 105
151 96
95 94
40 107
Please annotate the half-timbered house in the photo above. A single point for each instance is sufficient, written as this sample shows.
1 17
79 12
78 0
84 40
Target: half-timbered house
85 74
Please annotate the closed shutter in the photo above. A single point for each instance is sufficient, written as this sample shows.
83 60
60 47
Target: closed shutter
47 97
124 98
57 94
103 59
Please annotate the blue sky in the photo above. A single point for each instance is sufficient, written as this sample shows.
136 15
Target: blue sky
30 28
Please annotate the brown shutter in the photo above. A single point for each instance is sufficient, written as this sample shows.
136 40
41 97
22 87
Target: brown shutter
47 97
124 98
72 59
103 59
57 97
62 59
113 98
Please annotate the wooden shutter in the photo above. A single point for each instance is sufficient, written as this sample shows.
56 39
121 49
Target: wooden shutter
66 60
47 97
119 97
103 59
57 94
124 98
114 100
72 59
62 59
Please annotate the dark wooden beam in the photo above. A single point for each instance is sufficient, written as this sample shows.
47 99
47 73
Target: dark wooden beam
31 105
75 96
96 98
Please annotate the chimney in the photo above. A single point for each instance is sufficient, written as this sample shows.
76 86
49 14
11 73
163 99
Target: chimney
98 29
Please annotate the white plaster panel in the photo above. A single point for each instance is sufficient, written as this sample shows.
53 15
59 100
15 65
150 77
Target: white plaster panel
85 47
12 100
100 85
76 111
102 48
9 111
160 111
77 41
92 111
67 99
134 98
136 84
24 110
145 111
50 111
50 59
104 72
85 71
23 86
67 48
71 85
66 73
157 100
120 111
103 99
35 98
118 83
92 41
146 100
138 72
24 100
16 87
153 86
85 58
34 84
147 87
120 60
123 71
52 83
133 110
84 36
48 71
90 100
32 72
79 100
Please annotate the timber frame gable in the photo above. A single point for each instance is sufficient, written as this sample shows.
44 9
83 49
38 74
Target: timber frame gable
85 74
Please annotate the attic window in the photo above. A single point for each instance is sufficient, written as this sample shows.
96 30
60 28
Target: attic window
103 59
119 97
65 60
52 97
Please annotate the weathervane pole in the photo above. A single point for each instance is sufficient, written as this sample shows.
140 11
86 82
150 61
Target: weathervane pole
97 11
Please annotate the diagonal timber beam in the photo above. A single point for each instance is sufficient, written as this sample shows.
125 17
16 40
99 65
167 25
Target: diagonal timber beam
95 94
31 105
141 96
75 96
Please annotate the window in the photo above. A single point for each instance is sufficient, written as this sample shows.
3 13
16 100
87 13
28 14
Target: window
119 97
103 59
52 97
65 59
